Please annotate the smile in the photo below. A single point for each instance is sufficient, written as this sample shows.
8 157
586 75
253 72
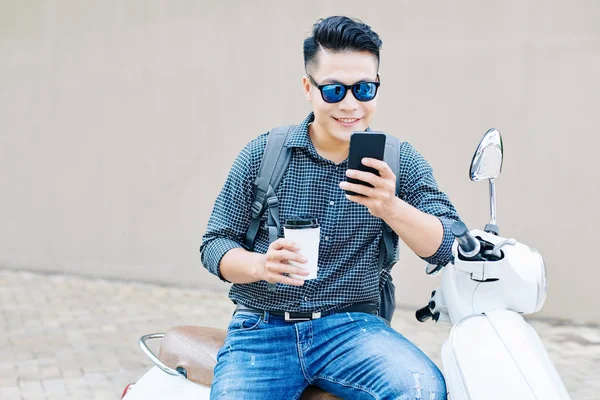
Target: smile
347 121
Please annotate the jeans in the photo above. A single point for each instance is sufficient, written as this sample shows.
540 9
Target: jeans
352 355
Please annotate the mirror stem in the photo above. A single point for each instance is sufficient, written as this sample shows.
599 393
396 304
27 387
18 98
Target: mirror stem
493 201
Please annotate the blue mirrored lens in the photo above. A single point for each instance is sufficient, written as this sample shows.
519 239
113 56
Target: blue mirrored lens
333 93
364 91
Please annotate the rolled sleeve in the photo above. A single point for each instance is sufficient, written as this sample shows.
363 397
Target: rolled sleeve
444 253
212 252
420 189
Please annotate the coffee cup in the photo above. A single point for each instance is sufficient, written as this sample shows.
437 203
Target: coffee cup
305 231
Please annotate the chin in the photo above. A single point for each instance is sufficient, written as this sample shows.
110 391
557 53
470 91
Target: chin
347 132
341 133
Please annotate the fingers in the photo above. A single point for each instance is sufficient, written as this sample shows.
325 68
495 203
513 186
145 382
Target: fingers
283 243
365 177
276 278
358 199
282 268
279 254
276 270
357 188
384 170
286 255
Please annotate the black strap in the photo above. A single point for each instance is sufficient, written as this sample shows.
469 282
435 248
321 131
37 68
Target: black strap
273 222
388 254
272 168
369 308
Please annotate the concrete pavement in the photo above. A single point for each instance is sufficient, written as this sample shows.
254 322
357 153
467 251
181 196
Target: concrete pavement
72 338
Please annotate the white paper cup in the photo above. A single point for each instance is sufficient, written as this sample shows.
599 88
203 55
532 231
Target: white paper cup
305 232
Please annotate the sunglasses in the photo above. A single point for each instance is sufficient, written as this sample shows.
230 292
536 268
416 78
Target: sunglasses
335 92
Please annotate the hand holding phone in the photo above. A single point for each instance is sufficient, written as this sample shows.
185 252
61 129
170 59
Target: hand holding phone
364 145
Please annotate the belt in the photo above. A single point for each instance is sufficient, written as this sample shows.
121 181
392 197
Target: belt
369 308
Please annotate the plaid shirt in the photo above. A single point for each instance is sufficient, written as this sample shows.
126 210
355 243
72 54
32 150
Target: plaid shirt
350 235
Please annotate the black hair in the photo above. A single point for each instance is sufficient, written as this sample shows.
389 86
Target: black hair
340 33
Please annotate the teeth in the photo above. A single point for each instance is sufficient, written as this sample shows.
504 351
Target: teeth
347 120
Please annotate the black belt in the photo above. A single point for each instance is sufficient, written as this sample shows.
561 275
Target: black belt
368 308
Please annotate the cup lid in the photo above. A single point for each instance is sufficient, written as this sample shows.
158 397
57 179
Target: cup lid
301 222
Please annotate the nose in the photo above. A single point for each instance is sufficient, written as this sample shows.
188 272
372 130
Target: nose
349 103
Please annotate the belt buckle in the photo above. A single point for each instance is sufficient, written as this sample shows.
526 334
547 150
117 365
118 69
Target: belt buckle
314 315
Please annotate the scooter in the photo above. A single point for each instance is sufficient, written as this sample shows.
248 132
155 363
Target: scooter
491 353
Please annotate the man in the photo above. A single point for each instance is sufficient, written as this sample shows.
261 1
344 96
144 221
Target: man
353 354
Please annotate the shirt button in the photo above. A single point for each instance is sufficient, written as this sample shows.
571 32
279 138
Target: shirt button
337 168
331 203
326 237
305 298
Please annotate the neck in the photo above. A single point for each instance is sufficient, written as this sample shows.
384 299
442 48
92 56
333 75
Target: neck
326 145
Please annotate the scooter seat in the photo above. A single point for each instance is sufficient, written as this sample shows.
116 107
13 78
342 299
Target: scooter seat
195 349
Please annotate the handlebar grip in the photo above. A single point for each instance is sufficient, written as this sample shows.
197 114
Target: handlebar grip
467 243
423 314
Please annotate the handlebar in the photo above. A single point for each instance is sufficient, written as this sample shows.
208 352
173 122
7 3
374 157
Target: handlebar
423 314
468 245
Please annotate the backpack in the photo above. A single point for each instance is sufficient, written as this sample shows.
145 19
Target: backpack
272 168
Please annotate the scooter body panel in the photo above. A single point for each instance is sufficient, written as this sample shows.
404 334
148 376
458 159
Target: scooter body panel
158 385
499 356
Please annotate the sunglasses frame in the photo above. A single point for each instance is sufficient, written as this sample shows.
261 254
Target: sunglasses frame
346 87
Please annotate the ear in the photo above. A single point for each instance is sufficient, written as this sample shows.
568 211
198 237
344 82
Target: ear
306 86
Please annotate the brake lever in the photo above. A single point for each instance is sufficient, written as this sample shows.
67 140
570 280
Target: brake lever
507 242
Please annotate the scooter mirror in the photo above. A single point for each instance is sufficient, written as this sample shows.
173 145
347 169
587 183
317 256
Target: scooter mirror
487 161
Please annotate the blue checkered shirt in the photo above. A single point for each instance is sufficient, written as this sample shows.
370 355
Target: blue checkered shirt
350 235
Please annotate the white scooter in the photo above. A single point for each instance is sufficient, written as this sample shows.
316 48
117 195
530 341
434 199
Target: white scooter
492 352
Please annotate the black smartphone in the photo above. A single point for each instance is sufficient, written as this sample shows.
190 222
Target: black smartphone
364 144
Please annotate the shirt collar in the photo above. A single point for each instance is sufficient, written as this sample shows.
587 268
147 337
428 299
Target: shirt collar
299 137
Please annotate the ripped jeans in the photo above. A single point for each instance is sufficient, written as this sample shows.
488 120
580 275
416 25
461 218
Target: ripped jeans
352 355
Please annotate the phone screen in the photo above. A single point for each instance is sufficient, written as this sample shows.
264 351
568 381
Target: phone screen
364 144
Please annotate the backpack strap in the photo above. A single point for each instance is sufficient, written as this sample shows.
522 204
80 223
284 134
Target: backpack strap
272 168
388 255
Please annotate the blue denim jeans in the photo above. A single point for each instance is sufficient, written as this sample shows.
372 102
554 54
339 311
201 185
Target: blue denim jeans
352 355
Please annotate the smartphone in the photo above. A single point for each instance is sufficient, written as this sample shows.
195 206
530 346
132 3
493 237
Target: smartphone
364 144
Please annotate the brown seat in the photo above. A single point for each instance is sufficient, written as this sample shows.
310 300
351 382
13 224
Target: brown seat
195 348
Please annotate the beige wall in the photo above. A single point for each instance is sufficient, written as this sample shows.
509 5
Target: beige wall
119 121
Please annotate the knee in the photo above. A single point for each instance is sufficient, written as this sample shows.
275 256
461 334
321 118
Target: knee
427 384
422 383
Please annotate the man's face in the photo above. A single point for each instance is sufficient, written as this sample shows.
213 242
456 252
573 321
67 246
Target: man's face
339 120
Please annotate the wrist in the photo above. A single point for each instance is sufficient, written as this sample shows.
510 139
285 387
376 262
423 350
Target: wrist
395 211
258 267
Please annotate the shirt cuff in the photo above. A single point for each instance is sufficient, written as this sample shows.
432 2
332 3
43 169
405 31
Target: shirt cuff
214 251
443 255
